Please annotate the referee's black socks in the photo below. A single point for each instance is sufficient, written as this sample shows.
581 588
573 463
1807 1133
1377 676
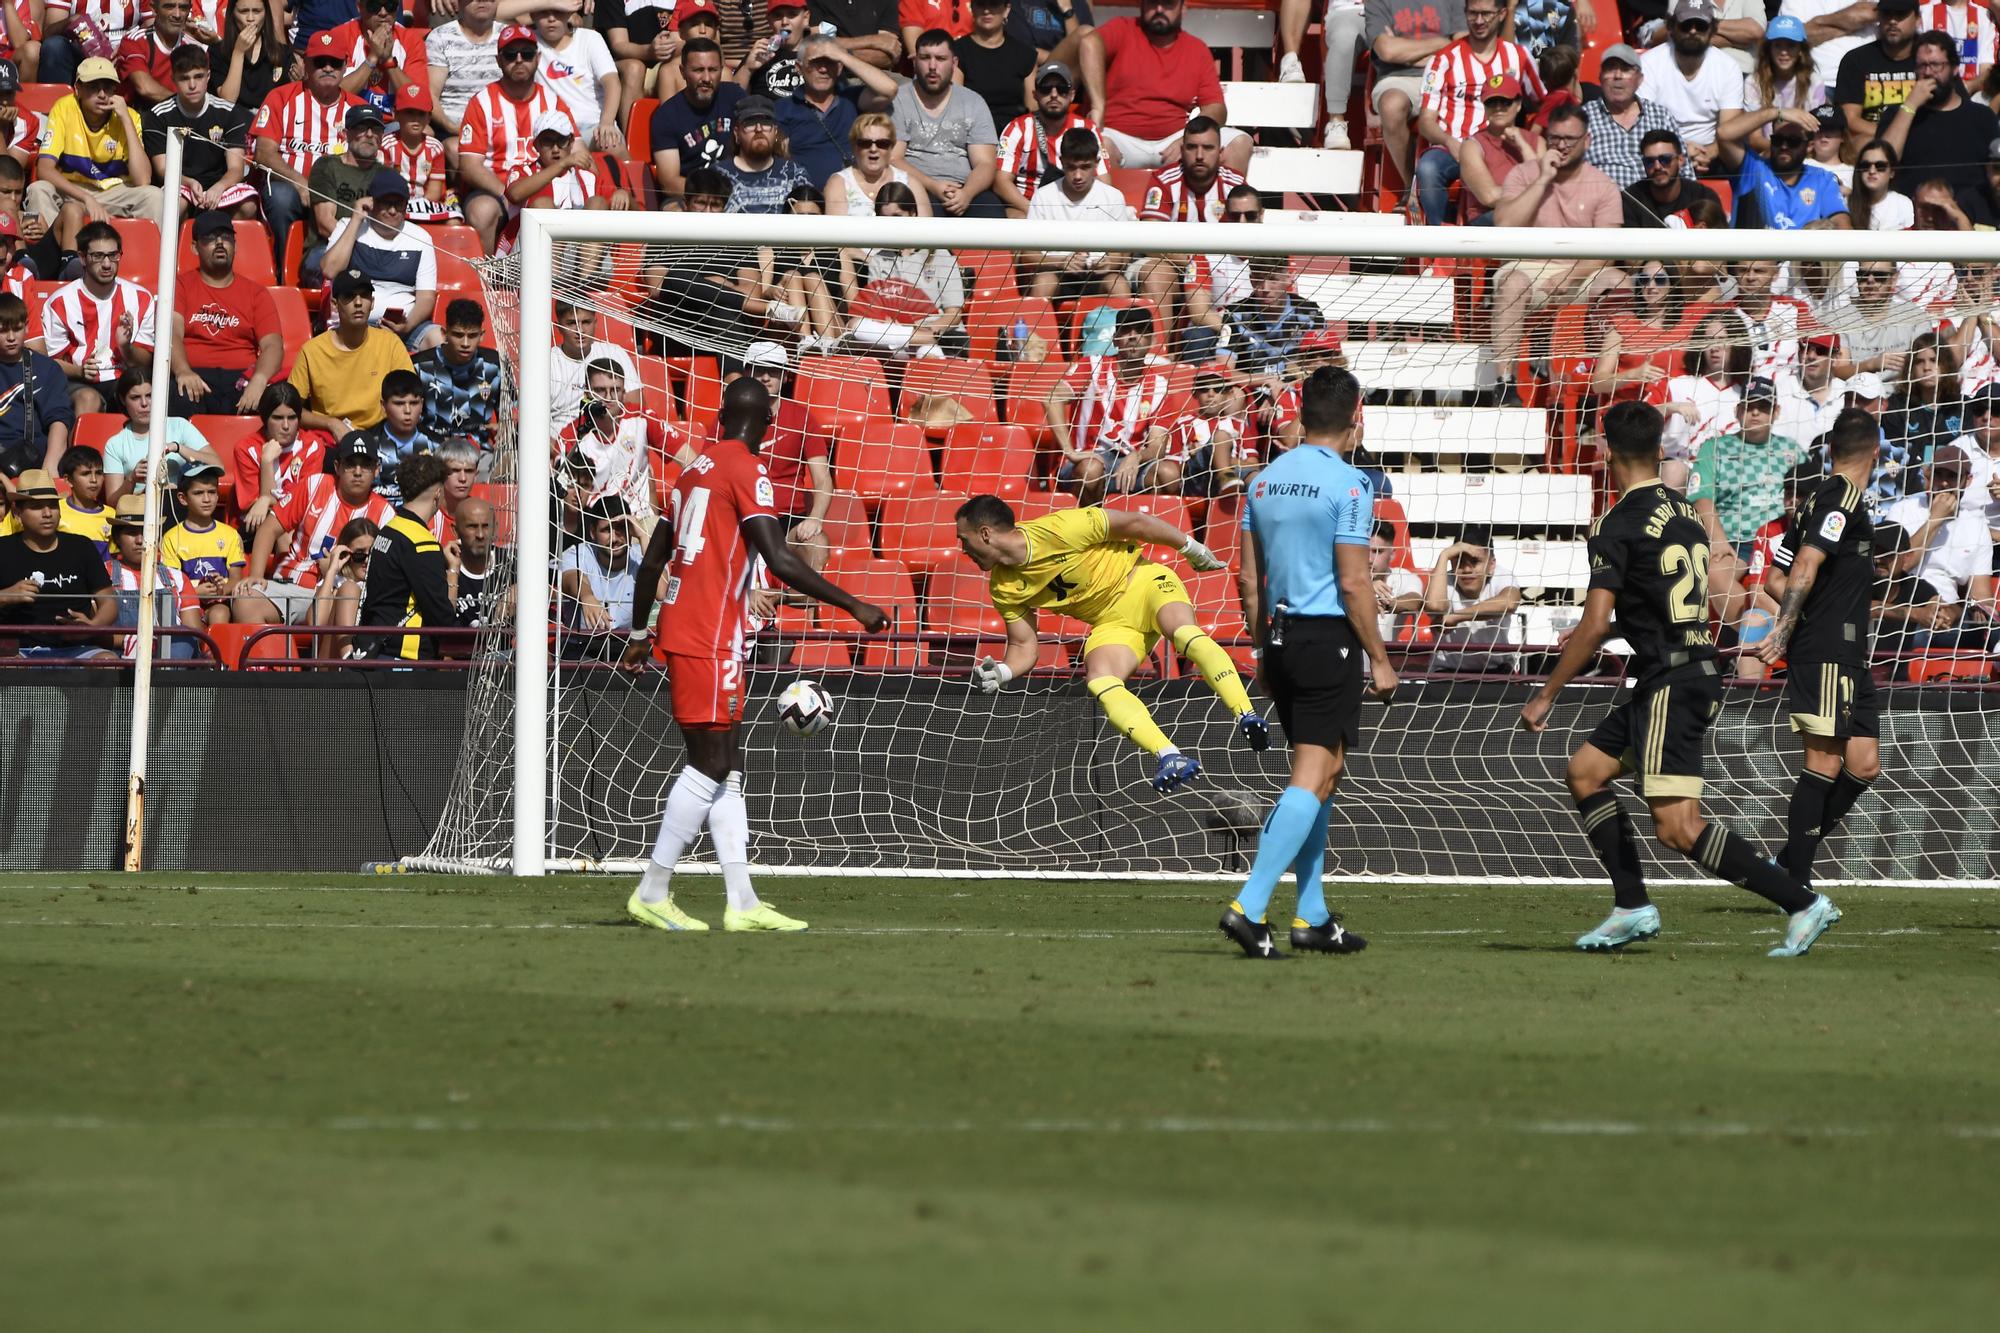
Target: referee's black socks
1729 857
1610 832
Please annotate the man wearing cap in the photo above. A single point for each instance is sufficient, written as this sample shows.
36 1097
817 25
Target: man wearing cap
996 64
1079 194
496 139
1453 107
772 67
568 175
215 156
383 57
1810 400
337 181
20 128
226 344
1695 82
692 20
339 373
944 134
1664 192
93 163
313 515
761 181
1030 143
379 241
1786 190
1876 76
297 126
576 63
867 28
691 129
818 116
1737 485
1939 132
51 577
1620 121
146 55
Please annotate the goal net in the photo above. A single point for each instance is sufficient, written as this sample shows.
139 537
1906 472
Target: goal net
927 361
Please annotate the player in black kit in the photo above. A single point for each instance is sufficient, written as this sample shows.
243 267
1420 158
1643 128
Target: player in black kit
1649 562
1827 566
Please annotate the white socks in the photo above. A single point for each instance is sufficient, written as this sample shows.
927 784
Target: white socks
688 807
729 829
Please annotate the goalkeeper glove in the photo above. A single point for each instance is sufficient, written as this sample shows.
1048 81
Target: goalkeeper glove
990 675
1199 556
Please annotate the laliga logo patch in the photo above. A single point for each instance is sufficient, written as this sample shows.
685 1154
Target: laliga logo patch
1835 524
765 495
1155 196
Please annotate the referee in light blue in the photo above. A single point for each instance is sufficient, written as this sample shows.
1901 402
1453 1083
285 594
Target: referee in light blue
1310 604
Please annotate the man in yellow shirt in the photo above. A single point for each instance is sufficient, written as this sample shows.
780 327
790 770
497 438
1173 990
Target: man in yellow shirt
340 372
1087 563
91 165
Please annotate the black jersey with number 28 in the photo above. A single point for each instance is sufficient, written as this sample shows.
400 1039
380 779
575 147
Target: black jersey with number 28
1833 623
1651 552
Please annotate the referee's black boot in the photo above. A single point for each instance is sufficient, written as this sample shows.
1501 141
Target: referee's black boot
1253 937
1327 937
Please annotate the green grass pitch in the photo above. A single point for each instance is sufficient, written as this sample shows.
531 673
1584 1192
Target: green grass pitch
309 1103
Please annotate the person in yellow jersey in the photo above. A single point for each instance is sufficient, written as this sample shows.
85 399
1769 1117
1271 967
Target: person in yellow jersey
1089 563
207 551
83 509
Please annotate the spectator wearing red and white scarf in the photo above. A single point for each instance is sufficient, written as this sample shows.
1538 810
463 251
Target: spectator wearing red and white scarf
1453 107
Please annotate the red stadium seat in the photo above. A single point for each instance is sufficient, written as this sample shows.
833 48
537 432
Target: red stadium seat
919 532
223 435
992 272
886 585
501 497
639 132
988 457
1222 528
141 261
1388 509
958 602
813 654
841 392
294 321
1037 503
1219 610
253 253
968 383
39 98
846 524
1170 508
1948 667
95 428
36 295
1131 182
883 459
1028 385
991 322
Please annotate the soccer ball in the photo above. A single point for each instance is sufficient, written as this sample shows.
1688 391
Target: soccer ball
805 708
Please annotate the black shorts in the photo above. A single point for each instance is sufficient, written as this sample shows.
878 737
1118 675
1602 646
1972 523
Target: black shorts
1315 680
1828 699
1660 731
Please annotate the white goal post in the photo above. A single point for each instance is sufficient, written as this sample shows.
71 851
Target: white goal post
545 235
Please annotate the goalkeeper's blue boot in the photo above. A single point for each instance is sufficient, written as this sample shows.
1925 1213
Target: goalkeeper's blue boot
1256 731
1806 927
1625 925
1174 770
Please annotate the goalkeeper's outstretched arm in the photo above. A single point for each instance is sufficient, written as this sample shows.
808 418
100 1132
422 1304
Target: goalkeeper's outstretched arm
1024 649
1129 526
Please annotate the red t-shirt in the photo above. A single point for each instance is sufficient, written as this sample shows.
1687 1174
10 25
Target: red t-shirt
224 324
1150 92
954 16
787 445
705 610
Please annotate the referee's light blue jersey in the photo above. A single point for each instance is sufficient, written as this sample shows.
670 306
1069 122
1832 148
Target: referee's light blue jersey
1302 506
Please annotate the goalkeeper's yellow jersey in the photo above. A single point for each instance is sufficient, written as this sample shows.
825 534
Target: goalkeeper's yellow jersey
1073 566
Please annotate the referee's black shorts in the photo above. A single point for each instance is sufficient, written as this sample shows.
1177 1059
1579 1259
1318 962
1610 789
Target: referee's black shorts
1315 679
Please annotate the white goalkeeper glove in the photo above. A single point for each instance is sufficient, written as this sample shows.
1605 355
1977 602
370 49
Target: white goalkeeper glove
1199 556
990 675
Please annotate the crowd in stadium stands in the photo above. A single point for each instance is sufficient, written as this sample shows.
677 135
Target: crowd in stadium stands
345 157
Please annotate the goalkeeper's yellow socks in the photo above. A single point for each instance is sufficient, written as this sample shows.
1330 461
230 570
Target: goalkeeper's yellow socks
1193 643
1307 867
1127 714
1286 829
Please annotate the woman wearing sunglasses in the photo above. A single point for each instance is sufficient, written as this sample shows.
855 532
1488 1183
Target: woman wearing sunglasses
851 191
1641 343
1871 204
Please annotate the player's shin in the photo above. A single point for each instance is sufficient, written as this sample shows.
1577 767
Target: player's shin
1308 866
1806 821
729 827
1209 658
1729 857
688 807
1609 829
1128 715
1847 789
1286 829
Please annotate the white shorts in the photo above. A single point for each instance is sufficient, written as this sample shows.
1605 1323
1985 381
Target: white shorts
294 603
1409 85
1136 152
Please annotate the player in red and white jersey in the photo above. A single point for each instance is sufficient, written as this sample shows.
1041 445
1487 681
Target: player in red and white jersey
722 512
313 514
1105 413
304 122
496 137
1029 142
89 324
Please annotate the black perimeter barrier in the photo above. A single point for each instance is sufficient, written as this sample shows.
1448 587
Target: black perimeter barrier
325 771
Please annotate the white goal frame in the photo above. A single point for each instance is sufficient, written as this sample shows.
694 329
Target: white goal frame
542 230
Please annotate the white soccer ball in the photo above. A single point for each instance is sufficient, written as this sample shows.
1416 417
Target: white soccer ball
805 708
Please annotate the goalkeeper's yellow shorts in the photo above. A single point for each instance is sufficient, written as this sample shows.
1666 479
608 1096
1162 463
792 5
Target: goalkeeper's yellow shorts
1133 621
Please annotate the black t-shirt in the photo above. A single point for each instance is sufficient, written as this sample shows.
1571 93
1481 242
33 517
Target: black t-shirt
1641 210
641 25
472 591
780 78
1833 623
1875 80
1949 144
702 136
856 18
218 127
997 74
69 574
1651 552
259 78
1039 23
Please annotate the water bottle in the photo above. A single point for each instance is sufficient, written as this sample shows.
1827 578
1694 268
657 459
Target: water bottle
1020 340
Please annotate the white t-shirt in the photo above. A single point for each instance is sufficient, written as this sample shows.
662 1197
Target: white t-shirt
1695 104
1803 418
614 590
469 64
566 379
1894 213
1715 414
1104 203
1959 552
1732 10
1827 55
1981 468
1401 583
1495 632
572 74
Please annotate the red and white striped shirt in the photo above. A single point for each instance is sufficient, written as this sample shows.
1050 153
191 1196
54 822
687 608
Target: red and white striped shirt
1026 154
15 278
1195 431
114 17
1109 411
33 29
350 43
1455 80
166 579
314 514
80 327
1971 23
420 165
502 131
27 132
304 129
1170 198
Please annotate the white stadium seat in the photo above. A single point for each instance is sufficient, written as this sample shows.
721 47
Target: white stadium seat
1519 500
1272 106
1305 171
1375 296
1506 432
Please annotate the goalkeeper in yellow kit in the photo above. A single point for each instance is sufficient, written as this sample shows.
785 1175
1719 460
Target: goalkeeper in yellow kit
1087 563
